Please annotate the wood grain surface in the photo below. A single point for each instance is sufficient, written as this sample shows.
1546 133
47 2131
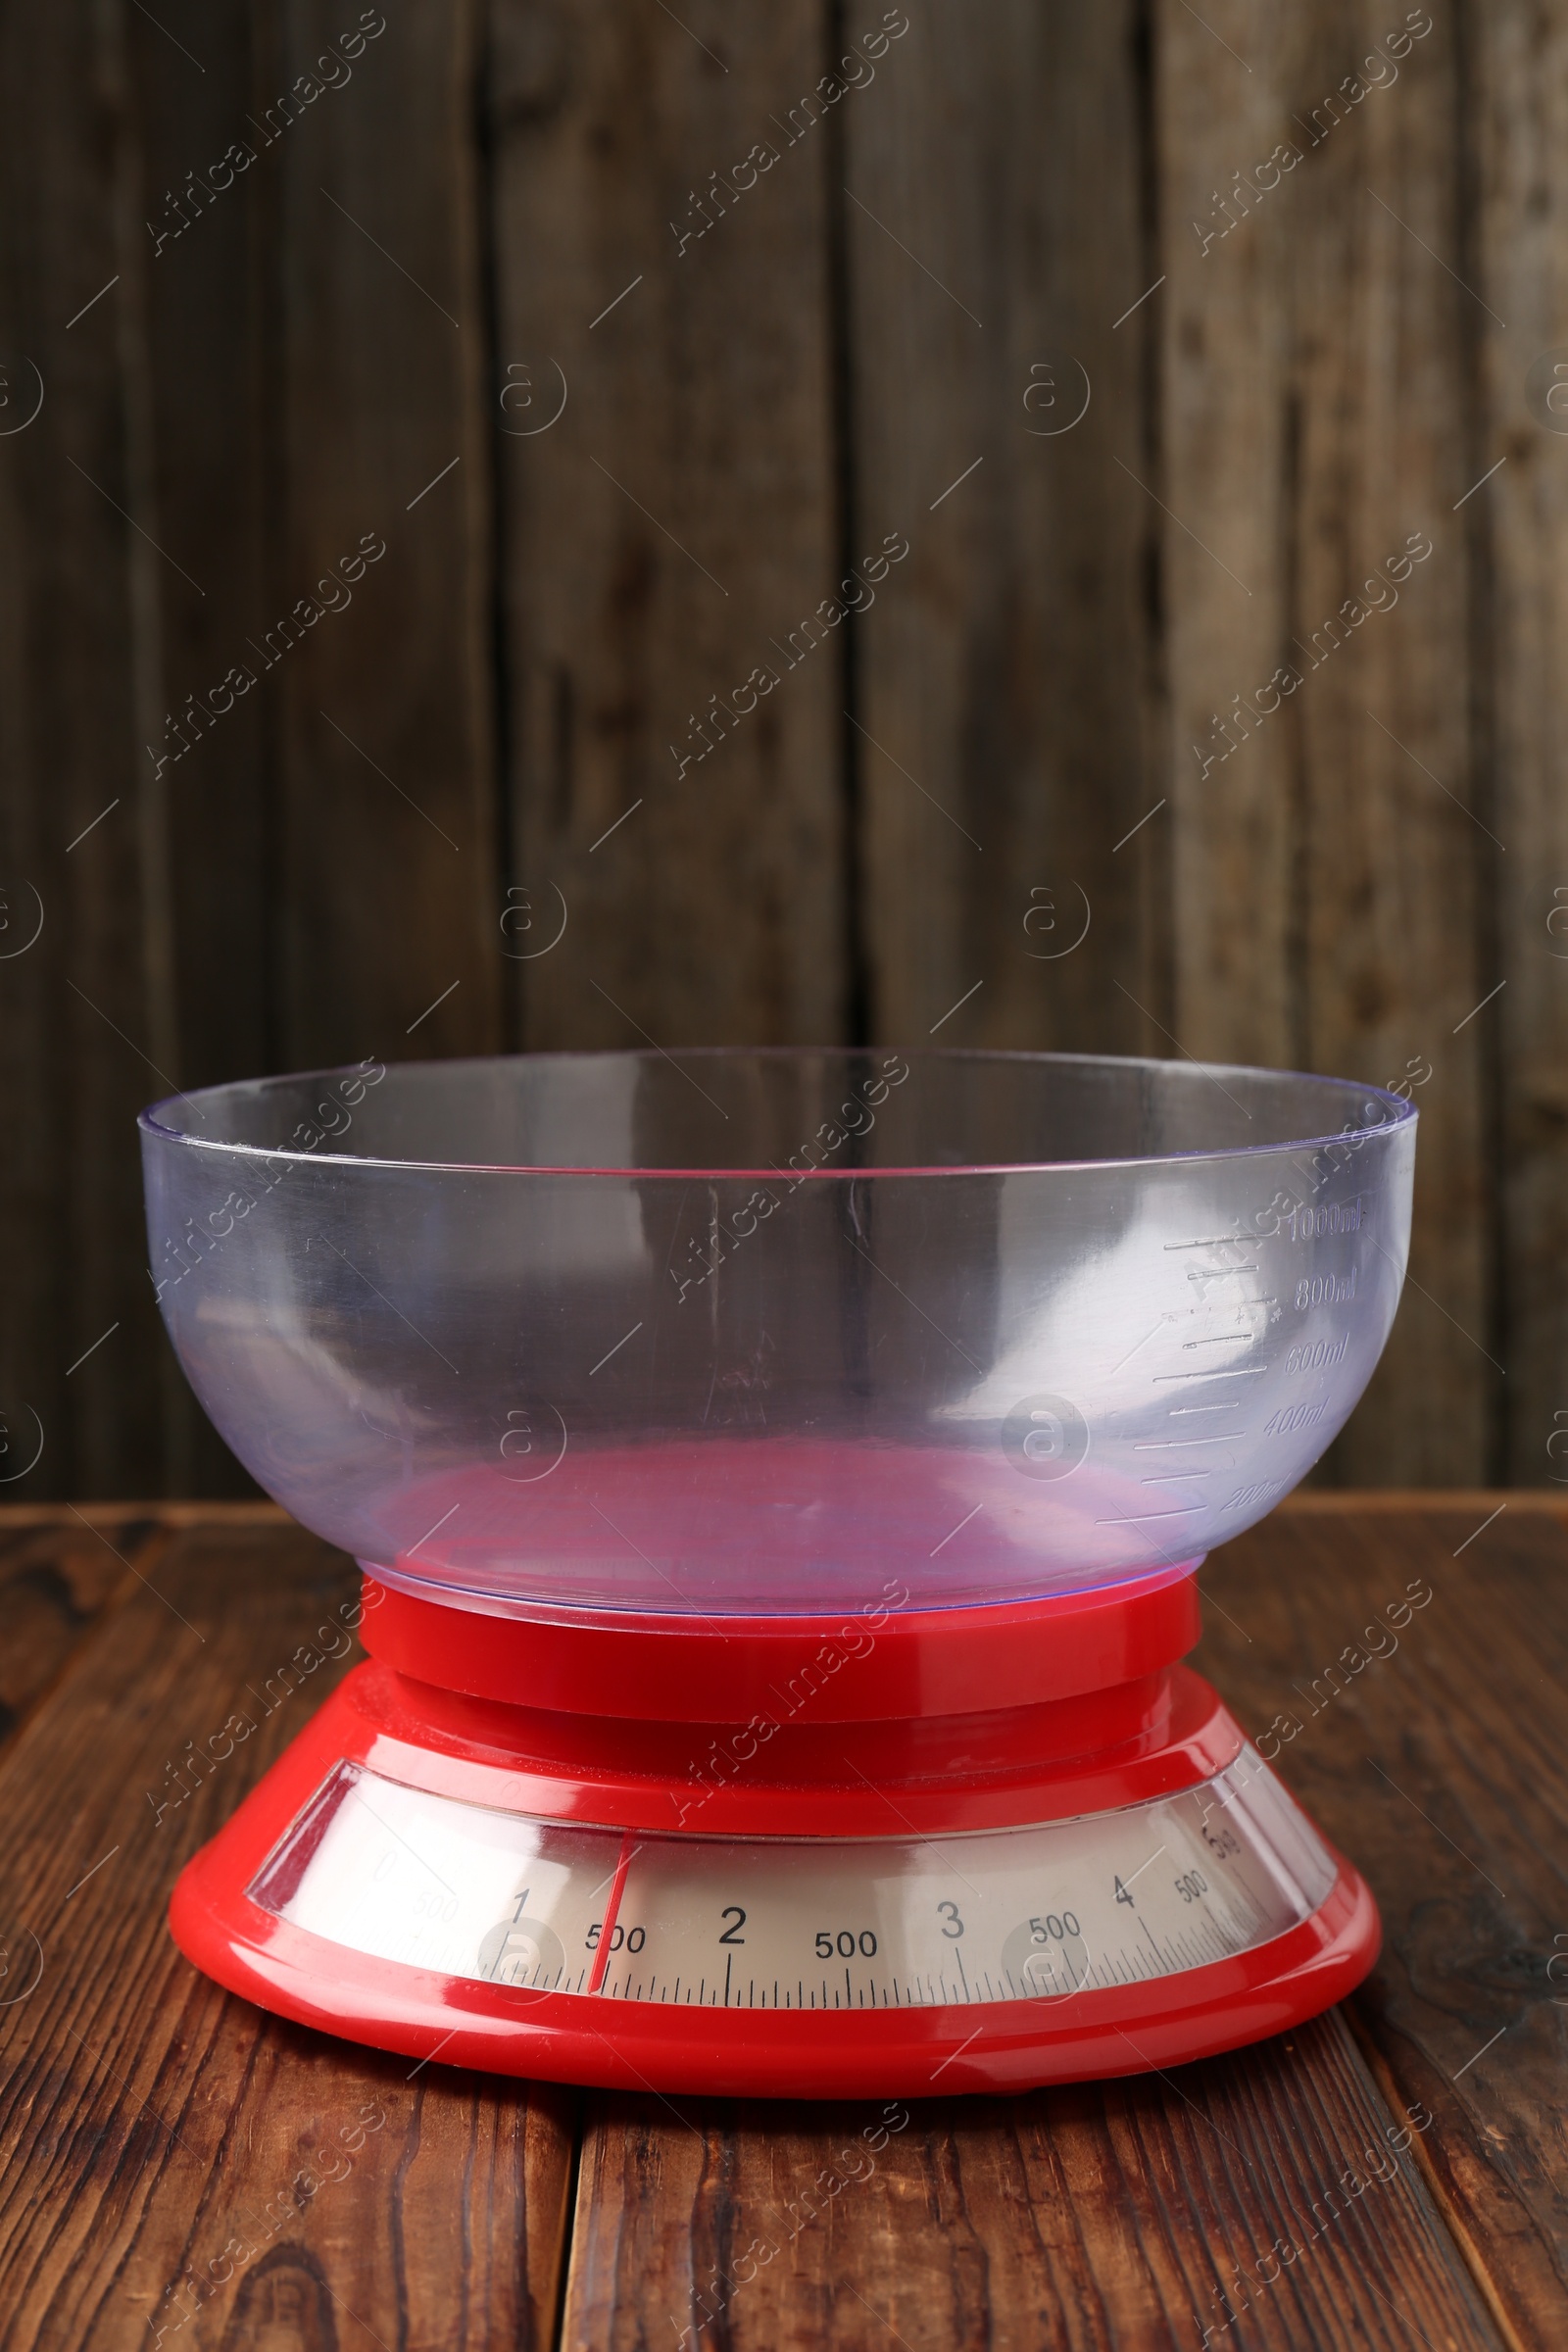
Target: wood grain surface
1009 660
1515 254
1329 884
1439 1766
387 801
190 328
177 2168
669 525
88 1003
1137 2213
55 1581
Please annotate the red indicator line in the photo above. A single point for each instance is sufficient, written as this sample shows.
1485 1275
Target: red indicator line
602 1956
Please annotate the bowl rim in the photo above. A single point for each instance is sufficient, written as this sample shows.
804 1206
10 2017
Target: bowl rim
1400 1113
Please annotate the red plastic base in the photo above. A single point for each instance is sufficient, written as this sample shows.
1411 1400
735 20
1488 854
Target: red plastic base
1157 1732
908 1664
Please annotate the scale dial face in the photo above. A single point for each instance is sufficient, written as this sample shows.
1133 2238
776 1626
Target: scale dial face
1035 1913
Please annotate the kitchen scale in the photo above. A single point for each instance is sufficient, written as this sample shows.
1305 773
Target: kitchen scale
780 1480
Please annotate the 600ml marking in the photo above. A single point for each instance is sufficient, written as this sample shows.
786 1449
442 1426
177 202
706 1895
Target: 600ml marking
1317 1356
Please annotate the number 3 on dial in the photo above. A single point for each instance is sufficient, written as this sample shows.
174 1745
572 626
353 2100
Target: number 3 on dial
954 1926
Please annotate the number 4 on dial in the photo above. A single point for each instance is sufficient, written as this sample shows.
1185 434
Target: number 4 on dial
1122 1896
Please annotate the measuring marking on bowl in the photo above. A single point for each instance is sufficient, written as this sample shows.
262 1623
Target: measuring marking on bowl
792 1702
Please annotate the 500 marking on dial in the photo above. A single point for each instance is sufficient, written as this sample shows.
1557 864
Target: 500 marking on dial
773 1923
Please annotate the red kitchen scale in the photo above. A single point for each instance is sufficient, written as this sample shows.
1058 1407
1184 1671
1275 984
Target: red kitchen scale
780 1480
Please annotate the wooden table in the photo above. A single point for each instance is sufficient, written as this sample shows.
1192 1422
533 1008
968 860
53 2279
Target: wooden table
180 2169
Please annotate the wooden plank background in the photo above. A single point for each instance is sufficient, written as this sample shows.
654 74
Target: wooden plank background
639 337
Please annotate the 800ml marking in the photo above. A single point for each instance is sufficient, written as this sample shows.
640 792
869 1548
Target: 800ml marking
1326 1289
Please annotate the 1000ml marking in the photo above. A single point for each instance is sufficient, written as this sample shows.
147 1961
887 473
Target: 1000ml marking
1334 1217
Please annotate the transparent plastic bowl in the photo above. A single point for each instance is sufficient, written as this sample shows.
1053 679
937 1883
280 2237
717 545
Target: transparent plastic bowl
762 1333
